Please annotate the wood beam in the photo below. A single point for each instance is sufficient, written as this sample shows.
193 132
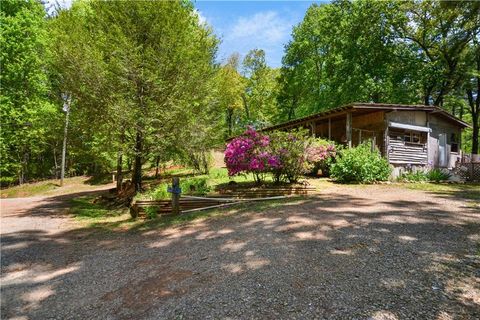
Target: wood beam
349 129
329 128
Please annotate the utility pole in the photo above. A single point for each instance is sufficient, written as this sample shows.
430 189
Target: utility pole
66 108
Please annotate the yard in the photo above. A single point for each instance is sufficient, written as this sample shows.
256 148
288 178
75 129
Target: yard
392 251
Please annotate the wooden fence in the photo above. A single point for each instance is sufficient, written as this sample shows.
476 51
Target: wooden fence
226 197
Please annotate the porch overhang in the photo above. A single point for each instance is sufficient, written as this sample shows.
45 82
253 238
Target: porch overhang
399 125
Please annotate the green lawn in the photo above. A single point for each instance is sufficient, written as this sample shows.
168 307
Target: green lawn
469 192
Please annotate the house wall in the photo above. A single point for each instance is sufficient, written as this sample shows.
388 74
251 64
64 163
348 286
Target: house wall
400 152
416 118
441 126
429 154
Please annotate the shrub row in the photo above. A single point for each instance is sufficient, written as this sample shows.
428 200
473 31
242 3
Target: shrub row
284 155
434 175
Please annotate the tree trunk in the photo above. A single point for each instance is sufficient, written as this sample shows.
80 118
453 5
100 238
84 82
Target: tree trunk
120 163
119 171
475 110
475 135
137 166
245 105
64 149
229 122
157 163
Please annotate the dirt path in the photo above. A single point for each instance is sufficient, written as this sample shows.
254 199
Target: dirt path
46 214
364 252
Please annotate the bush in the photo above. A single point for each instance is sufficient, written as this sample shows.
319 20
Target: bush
249 153
290 150
437 175
195 186
285 155
320 155
360 164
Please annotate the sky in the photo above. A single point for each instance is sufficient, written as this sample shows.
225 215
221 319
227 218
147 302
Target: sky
246 25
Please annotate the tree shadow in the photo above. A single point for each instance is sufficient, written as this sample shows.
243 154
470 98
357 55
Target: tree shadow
332 255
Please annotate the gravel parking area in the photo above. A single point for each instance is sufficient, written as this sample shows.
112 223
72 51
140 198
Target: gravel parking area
352 252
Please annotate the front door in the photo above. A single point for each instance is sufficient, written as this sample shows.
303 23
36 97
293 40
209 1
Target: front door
442 149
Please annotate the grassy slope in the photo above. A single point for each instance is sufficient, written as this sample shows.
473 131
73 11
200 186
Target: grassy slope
51 187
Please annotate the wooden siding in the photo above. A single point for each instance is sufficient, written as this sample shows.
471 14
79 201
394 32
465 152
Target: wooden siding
404 152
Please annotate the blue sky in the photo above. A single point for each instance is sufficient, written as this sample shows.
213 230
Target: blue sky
246 25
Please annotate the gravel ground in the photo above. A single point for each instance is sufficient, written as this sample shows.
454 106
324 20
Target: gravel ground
364 252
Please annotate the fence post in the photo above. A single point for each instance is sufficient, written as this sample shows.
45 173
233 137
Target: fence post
175 195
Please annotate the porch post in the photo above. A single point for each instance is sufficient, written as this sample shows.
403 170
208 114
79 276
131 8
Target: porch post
349 129
329 128
428 139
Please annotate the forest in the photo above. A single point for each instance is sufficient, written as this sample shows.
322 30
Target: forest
135 84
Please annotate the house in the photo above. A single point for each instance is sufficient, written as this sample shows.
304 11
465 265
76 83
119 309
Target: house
415 136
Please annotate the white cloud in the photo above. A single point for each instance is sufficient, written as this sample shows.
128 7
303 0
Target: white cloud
263 27
201 18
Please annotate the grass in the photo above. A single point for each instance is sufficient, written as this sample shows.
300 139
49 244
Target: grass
469 192
195 184
28 190
49 187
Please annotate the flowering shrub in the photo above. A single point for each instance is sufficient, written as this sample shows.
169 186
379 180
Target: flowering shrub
286 155
290 148
249 153
320 154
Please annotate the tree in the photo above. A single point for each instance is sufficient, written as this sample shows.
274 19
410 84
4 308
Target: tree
230 89
28 116
259 96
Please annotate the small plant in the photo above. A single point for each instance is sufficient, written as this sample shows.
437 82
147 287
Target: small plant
151 212
437 175
411 176
195 186
360 164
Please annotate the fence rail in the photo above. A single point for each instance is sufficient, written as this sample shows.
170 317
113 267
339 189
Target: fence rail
224 198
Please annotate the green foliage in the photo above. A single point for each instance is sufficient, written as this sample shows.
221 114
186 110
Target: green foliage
195 186
433 175
408 52
28 117
361 165
438 175
290 148
413 176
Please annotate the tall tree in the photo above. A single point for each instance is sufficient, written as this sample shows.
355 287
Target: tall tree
26 112
259 97
231 86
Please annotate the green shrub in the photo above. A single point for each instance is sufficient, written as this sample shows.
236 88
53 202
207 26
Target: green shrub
360 164
290 150
438 175
195 186
411 176
151 212
160 192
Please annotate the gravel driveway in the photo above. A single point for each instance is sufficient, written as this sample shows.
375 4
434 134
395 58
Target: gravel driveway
364 252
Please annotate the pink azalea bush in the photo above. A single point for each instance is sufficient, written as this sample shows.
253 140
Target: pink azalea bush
285 155
320 155
249 153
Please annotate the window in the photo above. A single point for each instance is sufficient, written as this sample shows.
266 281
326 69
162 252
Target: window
413 137
454 143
